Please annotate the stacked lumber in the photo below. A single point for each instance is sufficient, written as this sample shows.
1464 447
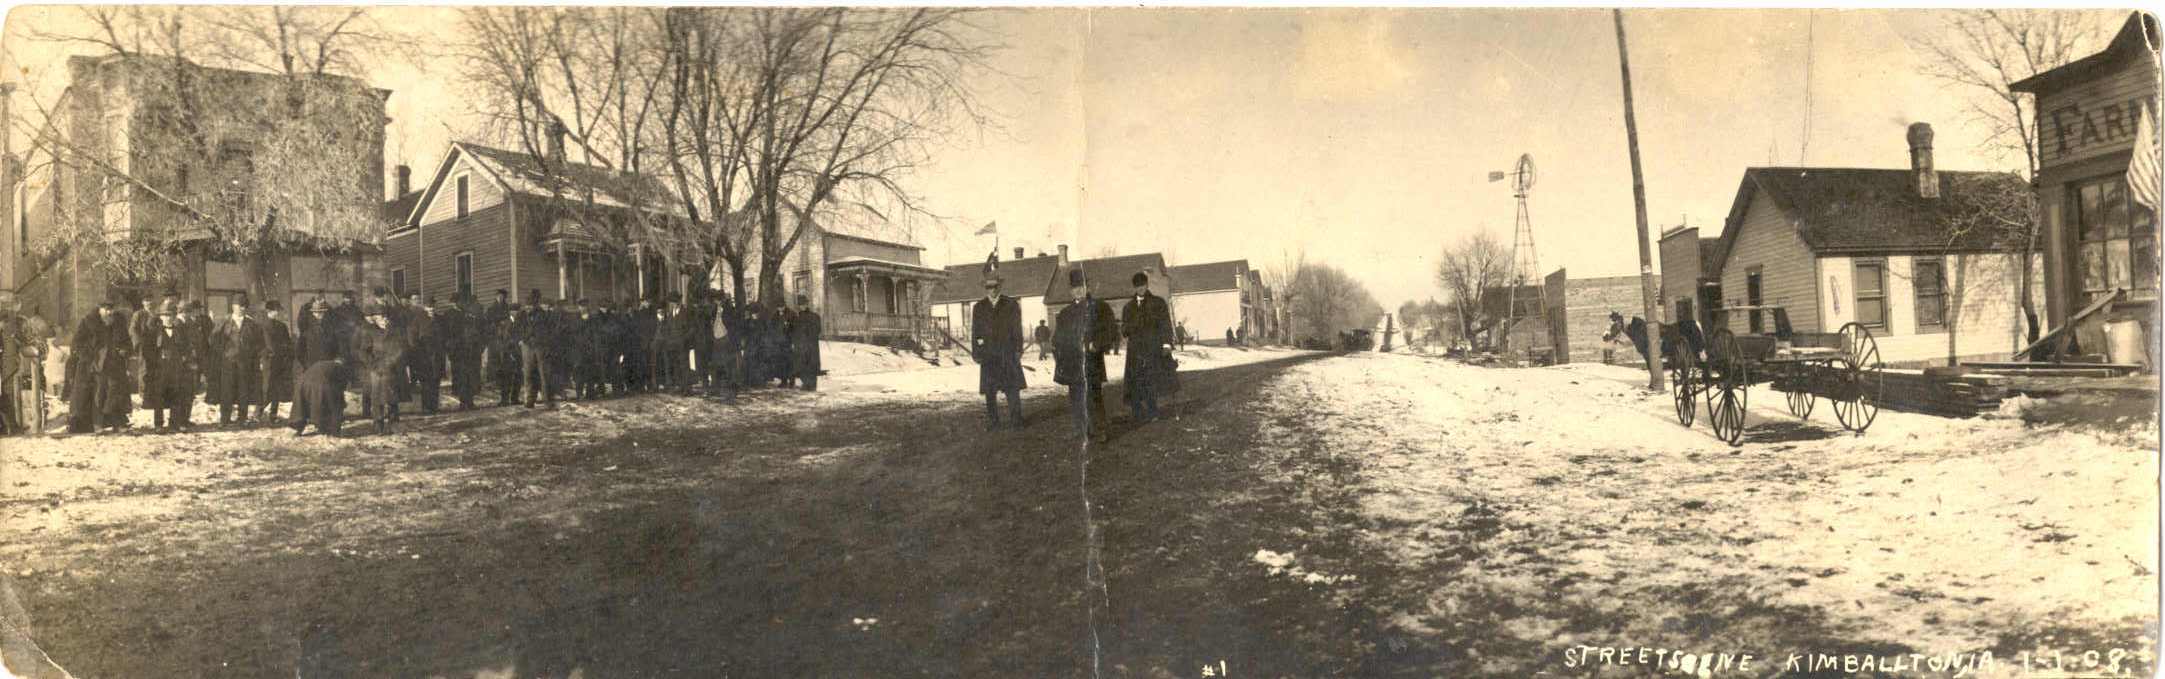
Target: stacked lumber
1933 394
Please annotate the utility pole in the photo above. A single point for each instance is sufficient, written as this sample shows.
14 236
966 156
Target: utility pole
1638 200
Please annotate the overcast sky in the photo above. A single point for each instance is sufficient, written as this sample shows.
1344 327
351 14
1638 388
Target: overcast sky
1363 137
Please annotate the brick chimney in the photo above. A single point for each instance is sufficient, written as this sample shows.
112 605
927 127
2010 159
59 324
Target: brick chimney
1063 254
1018 252
405 181
1920 160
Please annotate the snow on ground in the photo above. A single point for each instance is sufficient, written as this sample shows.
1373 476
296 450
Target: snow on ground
1934 533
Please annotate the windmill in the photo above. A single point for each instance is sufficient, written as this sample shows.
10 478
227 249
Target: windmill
1525 265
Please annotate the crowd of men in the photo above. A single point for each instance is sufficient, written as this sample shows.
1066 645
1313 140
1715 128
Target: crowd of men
249 362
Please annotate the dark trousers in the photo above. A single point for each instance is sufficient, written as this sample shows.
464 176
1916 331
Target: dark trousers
992 406
380 398
465 377
428 391
504 369
1094 401
174 408
669 368
1142 400
534 375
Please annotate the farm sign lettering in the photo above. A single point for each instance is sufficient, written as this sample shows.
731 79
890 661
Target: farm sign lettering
2072 124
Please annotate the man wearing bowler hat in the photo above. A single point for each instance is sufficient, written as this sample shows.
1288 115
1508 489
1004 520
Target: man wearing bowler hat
996 343
1081 333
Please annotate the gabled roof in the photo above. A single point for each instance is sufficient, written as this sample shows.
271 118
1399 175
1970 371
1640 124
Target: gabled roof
1026 277
521 173
1108 277
1868 211
1208 277
399 211
2135 38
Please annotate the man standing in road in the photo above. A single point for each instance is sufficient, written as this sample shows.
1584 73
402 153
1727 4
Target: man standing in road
460 332
996 343
1081 334
1043 335
177 364
277 368
239 352
1147 323
425 354
533 333
382 348
499 330
804 331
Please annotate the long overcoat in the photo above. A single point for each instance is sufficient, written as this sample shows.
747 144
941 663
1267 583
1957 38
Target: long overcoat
1148 325
173 370
996 339
237 365
804 334
1072 360
277 361
383 359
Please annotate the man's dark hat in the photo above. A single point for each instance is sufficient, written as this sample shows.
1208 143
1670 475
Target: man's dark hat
1075 277
272 305
1141 278
500 292
804 301
320 305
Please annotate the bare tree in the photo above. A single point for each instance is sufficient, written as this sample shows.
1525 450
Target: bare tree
1327 300
1280 276
1471 272
1982 53
252 133
1990 209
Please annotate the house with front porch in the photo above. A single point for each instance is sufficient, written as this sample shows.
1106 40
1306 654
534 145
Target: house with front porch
866 289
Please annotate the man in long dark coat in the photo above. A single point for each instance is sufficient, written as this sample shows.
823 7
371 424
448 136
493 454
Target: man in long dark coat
382 350
461 333
277 361
1081 333
752 343
535 331
98 372
500 325
777 344
588 343
320 397
668 348
143 327
196 319
804 332
176 363
238 345
996 343
424 354
1147 324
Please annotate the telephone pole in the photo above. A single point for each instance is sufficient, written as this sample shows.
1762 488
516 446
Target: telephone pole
1638 199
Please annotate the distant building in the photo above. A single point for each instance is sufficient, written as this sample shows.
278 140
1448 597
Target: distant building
1690 276
1110 280
1878 247
1212 299
112 105
1027 279
2097 236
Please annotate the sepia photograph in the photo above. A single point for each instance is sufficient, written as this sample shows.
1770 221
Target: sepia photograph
598 341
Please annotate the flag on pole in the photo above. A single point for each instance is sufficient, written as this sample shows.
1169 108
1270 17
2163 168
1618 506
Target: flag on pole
2142 167
992 227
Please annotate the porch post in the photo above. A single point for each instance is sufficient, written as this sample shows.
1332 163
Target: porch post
563 273
638 264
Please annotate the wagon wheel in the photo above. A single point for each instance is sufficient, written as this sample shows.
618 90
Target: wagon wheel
1859 367
1729 388
1801 403
1680 384
1727 414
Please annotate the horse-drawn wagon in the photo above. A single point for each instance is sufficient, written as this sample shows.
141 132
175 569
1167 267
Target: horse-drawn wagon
1719 369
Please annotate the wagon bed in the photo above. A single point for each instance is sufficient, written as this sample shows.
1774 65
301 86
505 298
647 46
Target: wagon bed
1841 367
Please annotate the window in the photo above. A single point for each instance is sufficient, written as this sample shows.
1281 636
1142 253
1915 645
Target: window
462 268
799 284
398 282
1871 285
462 196
1752 290
1929 279
2117 237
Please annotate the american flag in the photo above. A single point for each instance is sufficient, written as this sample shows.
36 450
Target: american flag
2142 173
989 228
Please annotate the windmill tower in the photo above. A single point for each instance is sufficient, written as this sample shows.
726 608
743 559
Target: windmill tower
1525 276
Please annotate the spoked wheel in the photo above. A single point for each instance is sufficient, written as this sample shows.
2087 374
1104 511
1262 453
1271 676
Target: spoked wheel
1729 384
1801 403
1859 369
1681 386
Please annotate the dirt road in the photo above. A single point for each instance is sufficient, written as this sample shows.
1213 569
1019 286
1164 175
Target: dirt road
1354 515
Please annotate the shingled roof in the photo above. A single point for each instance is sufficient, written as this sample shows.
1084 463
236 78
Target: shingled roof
1863 211
1026 277
523 173
1208 277
1108 276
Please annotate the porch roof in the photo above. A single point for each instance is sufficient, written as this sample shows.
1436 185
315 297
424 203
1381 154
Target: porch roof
903 269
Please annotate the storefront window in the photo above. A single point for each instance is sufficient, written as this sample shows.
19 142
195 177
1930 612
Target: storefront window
2118 238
